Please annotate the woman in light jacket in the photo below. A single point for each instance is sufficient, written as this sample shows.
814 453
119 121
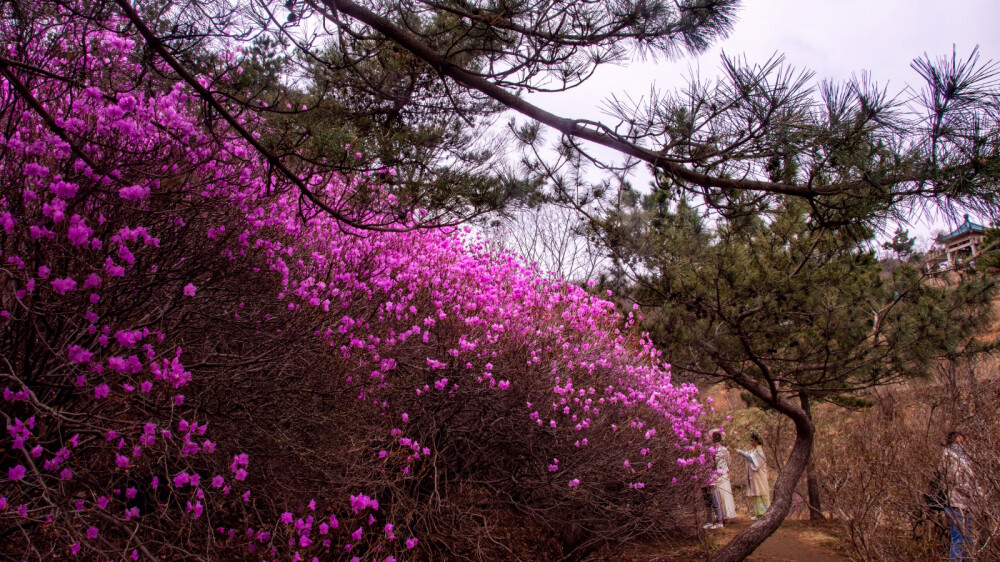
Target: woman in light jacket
757 486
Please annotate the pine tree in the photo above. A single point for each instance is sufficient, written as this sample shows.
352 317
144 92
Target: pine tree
794 312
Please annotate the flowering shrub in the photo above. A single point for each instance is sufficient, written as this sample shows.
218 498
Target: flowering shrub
201 363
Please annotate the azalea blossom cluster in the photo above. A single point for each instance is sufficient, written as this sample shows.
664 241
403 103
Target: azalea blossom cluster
127 219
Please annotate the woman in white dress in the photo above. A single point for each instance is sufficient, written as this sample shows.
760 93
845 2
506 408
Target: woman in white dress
722 485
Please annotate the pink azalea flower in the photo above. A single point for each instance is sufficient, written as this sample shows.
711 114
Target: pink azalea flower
181 479
16 472
134 193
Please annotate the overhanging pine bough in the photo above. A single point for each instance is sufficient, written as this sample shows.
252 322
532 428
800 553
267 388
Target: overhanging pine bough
907 182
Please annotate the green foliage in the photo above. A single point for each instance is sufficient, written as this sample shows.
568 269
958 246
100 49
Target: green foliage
901 244
798 307
990 258
851 402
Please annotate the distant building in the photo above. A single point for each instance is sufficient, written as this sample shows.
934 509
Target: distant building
957 246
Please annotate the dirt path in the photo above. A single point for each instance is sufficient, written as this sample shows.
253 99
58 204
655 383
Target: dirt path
794 540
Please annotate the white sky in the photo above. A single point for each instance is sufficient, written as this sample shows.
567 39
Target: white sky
834 38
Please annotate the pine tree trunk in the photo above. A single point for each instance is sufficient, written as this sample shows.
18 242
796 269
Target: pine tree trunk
812 480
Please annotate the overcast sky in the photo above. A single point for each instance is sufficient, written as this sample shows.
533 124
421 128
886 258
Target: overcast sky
834 38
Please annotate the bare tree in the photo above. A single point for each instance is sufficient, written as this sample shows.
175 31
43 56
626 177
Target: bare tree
552 238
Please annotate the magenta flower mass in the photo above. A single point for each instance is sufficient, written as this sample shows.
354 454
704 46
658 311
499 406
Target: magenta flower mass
121 202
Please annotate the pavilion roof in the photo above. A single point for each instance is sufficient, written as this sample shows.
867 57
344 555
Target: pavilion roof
966 227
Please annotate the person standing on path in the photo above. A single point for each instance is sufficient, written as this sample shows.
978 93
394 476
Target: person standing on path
758 488
959 486
723 487
711 496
